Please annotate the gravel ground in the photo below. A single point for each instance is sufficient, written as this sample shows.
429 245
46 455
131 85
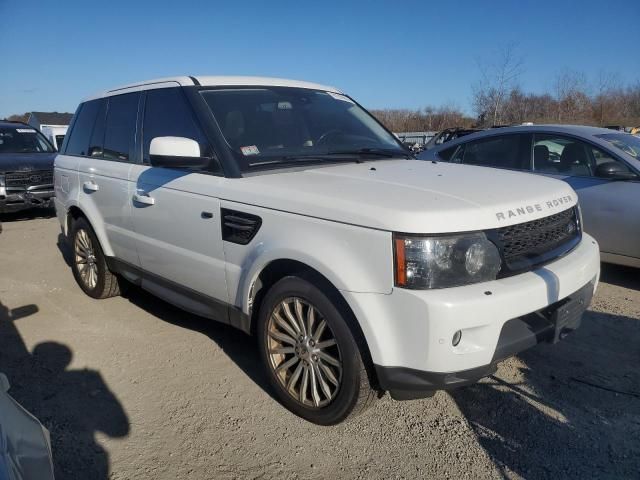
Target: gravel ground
132 387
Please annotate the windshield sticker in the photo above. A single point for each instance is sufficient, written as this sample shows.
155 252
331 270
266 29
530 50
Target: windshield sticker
284 106
342 98
25 130
250 150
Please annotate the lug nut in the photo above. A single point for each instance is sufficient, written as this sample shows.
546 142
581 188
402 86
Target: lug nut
314 358
312 343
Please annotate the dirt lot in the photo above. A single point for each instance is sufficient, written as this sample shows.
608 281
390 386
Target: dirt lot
134 388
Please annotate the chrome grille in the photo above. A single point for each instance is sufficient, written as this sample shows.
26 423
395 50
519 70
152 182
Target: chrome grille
531 244
28 179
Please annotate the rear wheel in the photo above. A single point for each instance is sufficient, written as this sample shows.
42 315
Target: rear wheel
312 359
89 263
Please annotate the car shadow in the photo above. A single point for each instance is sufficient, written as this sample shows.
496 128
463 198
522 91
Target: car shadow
30 214
65 249
237 345
73 404
573 410
626 277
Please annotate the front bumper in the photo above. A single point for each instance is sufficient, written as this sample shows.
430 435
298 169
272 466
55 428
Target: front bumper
409 332
551 324
31 197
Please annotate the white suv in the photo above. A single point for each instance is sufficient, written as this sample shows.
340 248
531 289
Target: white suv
284 209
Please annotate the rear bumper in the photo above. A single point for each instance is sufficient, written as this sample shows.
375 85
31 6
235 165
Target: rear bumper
16 201
549 325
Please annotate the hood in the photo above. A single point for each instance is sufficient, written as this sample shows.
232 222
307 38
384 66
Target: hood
409 196
15 162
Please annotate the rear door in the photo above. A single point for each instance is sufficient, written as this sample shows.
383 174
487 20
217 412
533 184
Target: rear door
176 214
104 171
511 151
610 208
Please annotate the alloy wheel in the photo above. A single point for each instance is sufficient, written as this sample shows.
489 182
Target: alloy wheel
85 259
304 353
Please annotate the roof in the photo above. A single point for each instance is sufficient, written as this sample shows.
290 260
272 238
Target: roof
212 81
577 130
52 118
11 123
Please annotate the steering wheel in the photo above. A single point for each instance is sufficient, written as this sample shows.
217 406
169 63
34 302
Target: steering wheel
322 138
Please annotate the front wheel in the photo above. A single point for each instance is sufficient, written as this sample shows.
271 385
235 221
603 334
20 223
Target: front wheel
312 359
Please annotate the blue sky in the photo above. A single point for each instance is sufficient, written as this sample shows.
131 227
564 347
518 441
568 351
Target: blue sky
385 54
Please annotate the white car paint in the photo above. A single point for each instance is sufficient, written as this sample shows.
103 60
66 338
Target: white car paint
338 220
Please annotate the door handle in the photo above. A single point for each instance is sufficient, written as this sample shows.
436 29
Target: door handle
144 199
90 186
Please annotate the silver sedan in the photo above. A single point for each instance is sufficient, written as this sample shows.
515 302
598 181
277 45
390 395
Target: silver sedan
602 166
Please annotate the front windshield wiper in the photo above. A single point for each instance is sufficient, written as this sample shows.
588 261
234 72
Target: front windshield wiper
380 152
302 159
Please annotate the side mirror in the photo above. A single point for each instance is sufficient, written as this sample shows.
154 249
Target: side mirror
176 152
614 171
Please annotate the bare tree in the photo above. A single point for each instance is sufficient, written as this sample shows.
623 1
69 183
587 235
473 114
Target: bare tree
608 96
570 89
498 78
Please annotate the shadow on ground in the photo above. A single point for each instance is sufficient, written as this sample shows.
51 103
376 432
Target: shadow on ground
626 277
72 404
576 411
237 345
30 214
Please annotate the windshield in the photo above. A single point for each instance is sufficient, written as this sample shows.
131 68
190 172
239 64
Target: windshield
267 126
22 140
629 144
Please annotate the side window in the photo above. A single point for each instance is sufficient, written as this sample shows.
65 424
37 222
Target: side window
167 114
504 151
459 154
97 136
447 153
567 156
78 141
601 157
120 128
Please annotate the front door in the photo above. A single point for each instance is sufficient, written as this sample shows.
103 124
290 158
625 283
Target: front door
610 208
176 215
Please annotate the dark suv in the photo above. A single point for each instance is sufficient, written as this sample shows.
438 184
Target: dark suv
26 168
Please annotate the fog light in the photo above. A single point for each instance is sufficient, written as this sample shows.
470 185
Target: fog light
456 338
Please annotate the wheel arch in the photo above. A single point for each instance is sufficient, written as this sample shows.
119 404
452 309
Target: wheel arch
277 269
74 211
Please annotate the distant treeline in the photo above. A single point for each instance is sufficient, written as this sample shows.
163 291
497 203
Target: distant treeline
612 106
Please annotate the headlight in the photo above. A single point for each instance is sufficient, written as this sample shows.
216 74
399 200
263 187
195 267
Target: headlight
1 180
444 261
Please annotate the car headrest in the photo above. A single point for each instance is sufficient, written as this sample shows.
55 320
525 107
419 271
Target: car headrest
573 154
541 154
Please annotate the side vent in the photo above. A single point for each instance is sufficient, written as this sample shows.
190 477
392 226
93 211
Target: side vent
239 227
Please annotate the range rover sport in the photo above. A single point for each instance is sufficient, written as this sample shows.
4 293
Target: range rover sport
285 209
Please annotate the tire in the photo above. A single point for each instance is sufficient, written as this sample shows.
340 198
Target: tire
331 392
95 279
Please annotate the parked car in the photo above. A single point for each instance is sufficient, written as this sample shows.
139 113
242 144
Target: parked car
285 209
26 167
55 135
449 134
602 166
25 446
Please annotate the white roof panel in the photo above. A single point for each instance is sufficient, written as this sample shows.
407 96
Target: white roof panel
211 81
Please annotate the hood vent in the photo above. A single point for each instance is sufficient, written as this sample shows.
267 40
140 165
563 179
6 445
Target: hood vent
239 227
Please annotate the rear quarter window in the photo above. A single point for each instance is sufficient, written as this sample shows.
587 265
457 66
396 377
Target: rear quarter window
78 141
